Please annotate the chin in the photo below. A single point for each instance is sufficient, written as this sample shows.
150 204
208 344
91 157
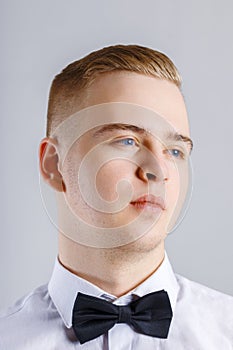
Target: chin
149 242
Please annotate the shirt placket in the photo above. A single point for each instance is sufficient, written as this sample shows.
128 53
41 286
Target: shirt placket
120 337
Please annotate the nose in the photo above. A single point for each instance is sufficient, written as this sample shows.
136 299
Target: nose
153 168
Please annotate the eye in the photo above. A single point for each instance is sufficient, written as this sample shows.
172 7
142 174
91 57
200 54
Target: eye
176 153
128 141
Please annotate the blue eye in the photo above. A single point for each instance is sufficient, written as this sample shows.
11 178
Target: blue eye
176 153
127 141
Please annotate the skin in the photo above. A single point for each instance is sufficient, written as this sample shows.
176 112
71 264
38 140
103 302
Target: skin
120 269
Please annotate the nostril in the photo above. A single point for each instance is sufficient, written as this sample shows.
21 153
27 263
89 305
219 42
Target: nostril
145 175
150 176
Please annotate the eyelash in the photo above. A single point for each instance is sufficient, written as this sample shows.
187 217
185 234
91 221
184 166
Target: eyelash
120 141
128 138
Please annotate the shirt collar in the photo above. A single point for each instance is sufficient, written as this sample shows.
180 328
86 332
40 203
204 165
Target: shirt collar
162 278
64 286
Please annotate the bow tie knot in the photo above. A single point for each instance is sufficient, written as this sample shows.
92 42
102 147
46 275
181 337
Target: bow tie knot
124 315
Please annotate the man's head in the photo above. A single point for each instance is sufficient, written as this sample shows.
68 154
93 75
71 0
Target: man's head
147 150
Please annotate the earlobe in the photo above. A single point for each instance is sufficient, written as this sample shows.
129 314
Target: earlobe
49 161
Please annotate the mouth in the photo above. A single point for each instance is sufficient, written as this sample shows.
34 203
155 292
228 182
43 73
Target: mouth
149 202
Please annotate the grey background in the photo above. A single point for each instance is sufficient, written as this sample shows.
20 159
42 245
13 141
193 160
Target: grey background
39 38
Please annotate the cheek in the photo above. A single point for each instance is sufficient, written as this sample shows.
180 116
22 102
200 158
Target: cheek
114 179
173 185
178 185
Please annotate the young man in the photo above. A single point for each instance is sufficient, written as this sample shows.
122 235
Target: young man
116 153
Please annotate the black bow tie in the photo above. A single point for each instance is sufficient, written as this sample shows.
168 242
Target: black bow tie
150 315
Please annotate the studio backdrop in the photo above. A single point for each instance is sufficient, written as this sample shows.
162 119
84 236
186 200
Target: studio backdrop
38 39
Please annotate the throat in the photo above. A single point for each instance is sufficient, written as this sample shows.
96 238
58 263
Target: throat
113 271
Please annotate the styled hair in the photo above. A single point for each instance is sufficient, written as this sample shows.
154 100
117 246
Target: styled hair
79 75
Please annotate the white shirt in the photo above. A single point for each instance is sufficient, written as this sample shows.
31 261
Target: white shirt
202 317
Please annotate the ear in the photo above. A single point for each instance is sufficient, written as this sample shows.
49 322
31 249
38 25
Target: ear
49 160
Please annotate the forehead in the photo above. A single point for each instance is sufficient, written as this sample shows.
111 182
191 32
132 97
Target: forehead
161 96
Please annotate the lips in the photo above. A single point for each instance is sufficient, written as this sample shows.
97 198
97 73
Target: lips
149 201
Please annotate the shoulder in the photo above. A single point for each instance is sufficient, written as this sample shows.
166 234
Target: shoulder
26 304
208 307
193 290
202 317
29 317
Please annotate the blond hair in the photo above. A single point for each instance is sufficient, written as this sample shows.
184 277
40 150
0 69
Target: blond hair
79 75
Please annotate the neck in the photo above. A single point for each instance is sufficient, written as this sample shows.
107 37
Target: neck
117 270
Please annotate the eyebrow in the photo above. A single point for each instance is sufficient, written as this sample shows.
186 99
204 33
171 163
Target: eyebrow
173 136
118 126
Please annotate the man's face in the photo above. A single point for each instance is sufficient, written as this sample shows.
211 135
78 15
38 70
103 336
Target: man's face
129 169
